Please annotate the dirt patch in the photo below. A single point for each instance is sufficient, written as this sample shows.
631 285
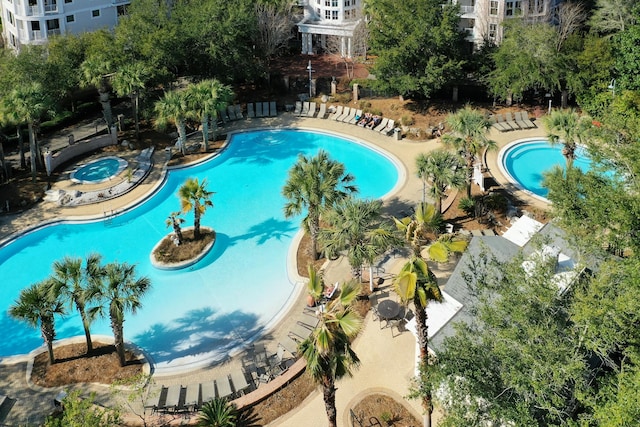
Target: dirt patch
190 248
285 399
386 410
73 366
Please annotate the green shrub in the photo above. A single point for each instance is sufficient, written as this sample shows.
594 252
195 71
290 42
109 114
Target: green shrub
407 120
496 202
468 205
363 105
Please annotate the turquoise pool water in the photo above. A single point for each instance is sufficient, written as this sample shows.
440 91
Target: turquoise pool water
526 162
236 291
100 170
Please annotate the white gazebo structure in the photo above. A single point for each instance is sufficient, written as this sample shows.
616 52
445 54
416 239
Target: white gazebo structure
329 18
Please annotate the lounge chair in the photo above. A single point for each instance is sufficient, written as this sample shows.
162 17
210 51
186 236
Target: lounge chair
350 116
192 398
175 399
277 362
222 113
323 111
499 126
502 123
382 125
309 320
510 121
223 386
238 109
208 392
312 109
337 113
265 109
250 112
356 117
273 111
259 109
289 345
305 109
524 118
344 115
239 382
388 128
298 109
231 111
299 332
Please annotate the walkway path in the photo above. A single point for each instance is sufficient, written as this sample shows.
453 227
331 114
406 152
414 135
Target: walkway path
387 363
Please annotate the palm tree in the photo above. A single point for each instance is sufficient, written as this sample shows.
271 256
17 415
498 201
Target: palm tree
194 195
204 99
37 306
469 136
419 229
175 221
570 128
447 244
315 184
328 349
8 116
130 80
443 170
94 73
416 283
27 103
315 285
71 281
218 413
173 108
122 290
357 228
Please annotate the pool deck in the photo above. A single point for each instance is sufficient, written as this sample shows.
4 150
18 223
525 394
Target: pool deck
387 363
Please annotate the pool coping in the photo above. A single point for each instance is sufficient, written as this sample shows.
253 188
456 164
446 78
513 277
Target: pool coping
509 177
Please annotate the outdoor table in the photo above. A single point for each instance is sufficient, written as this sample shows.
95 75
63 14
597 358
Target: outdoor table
388 309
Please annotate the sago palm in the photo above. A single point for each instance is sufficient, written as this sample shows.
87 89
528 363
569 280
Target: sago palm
218 413
328 350
195 196
315 184
37 306
469 136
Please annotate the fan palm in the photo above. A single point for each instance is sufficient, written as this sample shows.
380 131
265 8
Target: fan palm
443 170
315 184
194 196
357 227
71 282
173 108
218 413
328 350
37 305
570 128
174 220
94 72
205 98
130 80
27 103
469 129
416 283
419 229
122 291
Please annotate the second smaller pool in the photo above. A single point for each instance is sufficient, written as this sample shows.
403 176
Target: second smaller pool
98 171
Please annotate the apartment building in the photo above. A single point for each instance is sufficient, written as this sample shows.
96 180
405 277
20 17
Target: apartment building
329 24
34 21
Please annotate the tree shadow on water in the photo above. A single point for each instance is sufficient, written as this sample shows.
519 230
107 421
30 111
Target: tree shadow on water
198 332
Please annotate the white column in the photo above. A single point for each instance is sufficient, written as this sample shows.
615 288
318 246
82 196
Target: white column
349 47
342 46
310 44
304 43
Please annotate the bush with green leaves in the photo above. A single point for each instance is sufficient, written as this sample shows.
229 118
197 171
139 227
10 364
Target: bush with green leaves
468 205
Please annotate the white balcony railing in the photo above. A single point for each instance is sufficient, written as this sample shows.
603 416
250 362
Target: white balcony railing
50 8
33 10
55 32
36 35
467 9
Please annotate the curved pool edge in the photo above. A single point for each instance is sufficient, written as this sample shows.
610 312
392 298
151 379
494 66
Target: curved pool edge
122 165
509 177
296 281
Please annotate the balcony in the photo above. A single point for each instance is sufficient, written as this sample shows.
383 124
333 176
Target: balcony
33 10
50 8
54 32
36 35
468 10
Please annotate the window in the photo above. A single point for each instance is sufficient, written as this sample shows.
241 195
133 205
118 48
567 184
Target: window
327 14
347 3
35 25
493 29
327 3
70 18
10 17
334 15
513 7
12 38
493 7
53 25
68 1
334 3
122 9
318 12
95 13
318 2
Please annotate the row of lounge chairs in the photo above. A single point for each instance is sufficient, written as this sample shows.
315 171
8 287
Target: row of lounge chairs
178 398
342 114
518 121
262 109
231 113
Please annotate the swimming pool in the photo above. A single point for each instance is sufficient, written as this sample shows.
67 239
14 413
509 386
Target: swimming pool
99 170
523 162
234 293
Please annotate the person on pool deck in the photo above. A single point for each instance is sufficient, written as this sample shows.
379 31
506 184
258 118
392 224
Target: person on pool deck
375 122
